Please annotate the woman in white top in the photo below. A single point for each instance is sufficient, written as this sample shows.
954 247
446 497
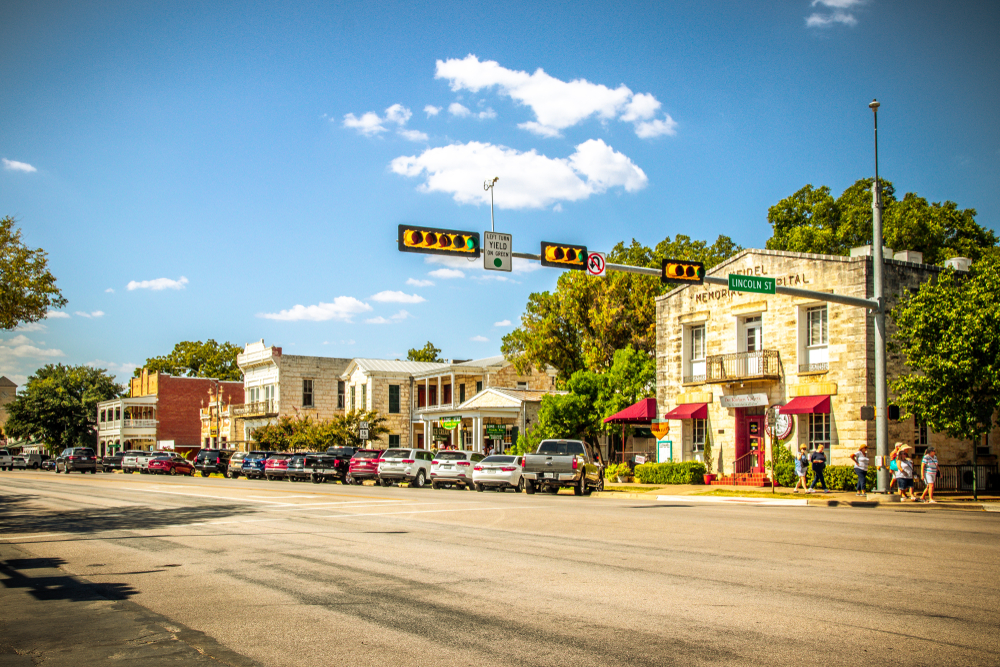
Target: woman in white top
860 459
904 475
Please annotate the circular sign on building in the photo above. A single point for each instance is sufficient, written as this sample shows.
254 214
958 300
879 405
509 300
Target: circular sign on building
778 424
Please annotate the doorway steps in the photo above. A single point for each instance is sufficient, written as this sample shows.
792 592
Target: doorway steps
757 479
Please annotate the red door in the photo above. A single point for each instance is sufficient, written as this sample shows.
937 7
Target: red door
755 442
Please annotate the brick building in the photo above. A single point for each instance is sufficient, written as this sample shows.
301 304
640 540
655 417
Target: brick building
160 412
724 357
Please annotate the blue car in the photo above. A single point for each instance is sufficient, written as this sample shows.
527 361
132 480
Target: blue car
253 464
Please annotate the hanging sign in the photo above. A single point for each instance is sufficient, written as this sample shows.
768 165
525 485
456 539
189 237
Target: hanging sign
743 400
780 425
449 422
442 434
660 428
496 430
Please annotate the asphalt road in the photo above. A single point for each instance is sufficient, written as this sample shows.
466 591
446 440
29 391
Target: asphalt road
159 570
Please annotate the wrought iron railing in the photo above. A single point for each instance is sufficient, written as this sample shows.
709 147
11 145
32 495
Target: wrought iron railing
814 368
748 462
265 408
694 379
737 366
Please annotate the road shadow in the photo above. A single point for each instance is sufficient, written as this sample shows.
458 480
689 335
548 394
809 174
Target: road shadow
18 515
58 586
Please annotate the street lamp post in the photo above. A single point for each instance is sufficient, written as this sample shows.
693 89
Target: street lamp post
488 185
881 389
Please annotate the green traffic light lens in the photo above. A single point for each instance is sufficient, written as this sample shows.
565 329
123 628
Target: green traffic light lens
470 243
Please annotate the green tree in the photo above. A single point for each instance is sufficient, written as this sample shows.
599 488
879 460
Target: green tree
559 416
427 353
59 405
297 433
347 427
631 378
27 288
811 220
948 335
197 359
586 320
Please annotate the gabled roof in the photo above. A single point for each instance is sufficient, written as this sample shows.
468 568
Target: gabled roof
486 362
6 382
393 366
502 397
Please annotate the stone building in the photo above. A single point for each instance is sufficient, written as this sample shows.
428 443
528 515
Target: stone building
724 357
7 392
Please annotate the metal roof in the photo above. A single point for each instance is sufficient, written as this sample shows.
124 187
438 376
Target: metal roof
396 366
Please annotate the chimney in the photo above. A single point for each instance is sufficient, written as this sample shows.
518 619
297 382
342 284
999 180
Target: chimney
959 263
913 256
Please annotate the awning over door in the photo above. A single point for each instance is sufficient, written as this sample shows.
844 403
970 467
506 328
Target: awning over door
805 405
642 412
688 411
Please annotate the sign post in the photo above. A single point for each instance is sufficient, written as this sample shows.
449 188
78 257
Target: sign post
497 251
363 430
758 284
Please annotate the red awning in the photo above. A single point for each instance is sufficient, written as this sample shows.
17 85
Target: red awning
688 411
643 412
804 405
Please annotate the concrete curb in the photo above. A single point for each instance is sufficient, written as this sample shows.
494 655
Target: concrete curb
736 500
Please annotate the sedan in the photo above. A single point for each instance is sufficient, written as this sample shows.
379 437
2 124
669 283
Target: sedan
170 464
499 473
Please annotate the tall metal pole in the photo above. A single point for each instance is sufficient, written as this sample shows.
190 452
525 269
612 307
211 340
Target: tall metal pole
881 388
488 185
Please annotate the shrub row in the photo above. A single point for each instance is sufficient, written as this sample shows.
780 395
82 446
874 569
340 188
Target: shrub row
615 470
838 478
689 472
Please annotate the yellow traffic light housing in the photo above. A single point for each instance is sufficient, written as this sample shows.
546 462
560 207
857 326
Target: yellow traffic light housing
564 256
438 241
682 272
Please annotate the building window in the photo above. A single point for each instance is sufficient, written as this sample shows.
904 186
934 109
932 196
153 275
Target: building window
694 360
814 340
340 394
364 397
118 414
921 437
522 385
394 441
394 399
819 430
479 386
699 431
307 393
353 388
461 393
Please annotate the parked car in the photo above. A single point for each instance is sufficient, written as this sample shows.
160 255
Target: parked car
297 470
562 463
112 462
339 468
143 460
19 462
130 460
499 472
212 460
170 464
235 466
49 464
453 468
405 465
6 460
32 460
276 466
364 465
80 459
253 464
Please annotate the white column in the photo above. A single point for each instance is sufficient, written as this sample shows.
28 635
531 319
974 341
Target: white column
440 397
428 436
454 396
427 393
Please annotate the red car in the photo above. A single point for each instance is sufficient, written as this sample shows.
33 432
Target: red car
167 464
364 465
276 466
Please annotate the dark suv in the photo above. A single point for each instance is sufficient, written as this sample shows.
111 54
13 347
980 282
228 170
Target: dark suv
82 459
253 464
212 460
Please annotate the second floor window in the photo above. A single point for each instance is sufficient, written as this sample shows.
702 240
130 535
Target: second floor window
394 399
479 385
352 398
814 341
340 394
307 393
694 363
364 397
461 393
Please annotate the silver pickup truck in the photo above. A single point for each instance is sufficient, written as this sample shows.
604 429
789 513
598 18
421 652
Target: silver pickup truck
563 463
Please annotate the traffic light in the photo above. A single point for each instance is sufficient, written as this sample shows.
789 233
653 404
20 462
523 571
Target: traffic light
438 241
683 272
867 413
564 255
892 412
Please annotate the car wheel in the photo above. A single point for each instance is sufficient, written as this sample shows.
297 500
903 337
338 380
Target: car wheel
57 469
479 488
581 486
173 471
204 473
529 487
347 479
34 466
600 483
520 486
435 486
419 480
553 490
470 487
93 471
386 482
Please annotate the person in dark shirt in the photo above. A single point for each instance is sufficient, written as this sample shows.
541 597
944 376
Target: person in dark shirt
818 462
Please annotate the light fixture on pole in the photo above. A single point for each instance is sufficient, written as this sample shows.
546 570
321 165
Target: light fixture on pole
881 388
488 185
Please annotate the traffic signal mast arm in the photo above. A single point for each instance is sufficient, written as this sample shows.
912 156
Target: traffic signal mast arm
870 304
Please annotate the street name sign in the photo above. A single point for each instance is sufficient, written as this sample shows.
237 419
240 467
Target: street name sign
738 283
497 249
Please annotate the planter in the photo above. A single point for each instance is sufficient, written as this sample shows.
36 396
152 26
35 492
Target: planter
709 479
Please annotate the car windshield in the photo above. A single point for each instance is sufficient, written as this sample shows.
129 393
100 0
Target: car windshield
366 455
560 447
396 453
340 451
499 459
451 456
279 457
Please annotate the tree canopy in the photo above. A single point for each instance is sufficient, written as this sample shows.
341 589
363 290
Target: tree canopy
27 288
948 334
811 220
59 405
427 353
307 434
198 359
586 320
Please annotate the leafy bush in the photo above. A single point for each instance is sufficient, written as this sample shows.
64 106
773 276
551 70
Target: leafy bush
616 470
838 478
689 472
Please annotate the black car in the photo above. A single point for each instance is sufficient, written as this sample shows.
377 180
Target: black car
336 465
212 460
300 466
82 459
112 462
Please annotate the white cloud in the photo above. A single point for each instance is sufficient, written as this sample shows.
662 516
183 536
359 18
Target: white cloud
416 282
530 180
117 369
110 290
14 165
838 15
398 114
413 135
655 128
480 339
447 274
158 284
368 125
371 124
56 315
557 104
456 109
31 327
390 296
505 323
343 308
95 313
488 113
838 4
431 110
401 315
22 347
392 319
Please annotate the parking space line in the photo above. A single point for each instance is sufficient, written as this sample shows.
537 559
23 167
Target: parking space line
464 509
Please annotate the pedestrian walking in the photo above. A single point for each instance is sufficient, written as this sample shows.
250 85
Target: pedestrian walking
893 465
860 459
904 473
818 462
929 471
801 469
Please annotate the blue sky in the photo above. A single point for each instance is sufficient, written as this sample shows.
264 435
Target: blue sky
237 171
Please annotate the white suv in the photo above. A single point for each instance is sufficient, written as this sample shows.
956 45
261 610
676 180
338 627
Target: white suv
405 465
454 468
6 460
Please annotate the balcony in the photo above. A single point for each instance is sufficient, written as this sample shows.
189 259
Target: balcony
436 406
743 367
116 424
265 408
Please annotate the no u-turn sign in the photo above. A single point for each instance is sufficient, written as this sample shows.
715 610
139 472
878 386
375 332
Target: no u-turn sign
595 263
